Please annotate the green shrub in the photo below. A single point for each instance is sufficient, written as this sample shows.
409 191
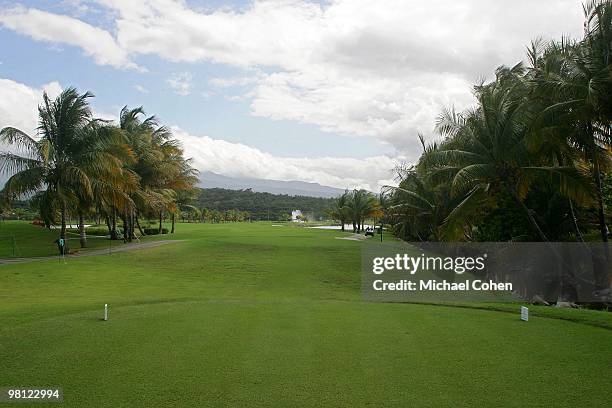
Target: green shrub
90 231
155 231
97 231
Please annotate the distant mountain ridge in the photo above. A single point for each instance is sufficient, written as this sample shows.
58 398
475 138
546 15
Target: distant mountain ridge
293 188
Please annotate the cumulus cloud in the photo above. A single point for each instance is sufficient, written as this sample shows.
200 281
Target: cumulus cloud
232 81
19 104
357 67
180 82
18 108
54 28
378 107
240 160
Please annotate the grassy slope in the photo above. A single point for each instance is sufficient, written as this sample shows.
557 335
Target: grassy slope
258 315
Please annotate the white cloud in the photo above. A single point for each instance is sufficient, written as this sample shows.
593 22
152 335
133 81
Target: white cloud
111 117
359 67
19 104
239 160
18 108
376 69
377 107
77 7
141 89
180 82
233 81
54 28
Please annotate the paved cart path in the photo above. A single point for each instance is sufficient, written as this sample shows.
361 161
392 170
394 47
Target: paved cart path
94 252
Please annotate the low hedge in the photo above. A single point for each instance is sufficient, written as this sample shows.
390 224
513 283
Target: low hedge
90 231
155 231
97 231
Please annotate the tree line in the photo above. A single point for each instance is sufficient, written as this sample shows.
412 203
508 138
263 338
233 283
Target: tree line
89 167
260 205
355 207
192 213
530 161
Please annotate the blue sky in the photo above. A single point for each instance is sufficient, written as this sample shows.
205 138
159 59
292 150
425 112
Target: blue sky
205 111
332 92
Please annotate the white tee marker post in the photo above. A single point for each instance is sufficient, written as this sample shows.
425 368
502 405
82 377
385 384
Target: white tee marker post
105 311
524 314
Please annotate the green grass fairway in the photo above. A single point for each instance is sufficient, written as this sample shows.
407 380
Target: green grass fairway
254 315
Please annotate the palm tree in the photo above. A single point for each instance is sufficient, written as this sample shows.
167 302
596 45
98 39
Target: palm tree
420 205
100 151
486 154
183 200
56 162
417 207
339 209
575 78
146 167
204 214
360 205
182 182
160 166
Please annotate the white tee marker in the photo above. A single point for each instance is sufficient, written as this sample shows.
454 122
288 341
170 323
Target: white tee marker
524 314
106 311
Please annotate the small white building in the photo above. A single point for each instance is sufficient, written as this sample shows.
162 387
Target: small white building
296 216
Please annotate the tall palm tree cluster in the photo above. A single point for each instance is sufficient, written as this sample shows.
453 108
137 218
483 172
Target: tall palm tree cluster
531 161
355 207
89 167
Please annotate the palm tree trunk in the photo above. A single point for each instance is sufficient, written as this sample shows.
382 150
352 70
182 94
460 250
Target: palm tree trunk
173 222
597 178
108 225
342 221
114 225
161 216
603 229
128 230
125 229
132 223
63 248
604 264
575 221
601 261
63 222
528 214
82 233
128 217
138 225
